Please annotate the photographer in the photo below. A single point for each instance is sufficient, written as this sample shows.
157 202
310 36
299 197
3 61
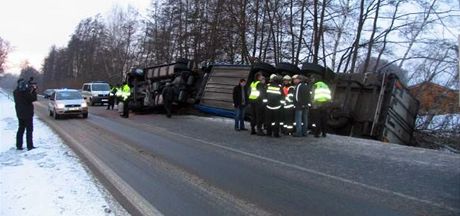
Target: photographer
24 95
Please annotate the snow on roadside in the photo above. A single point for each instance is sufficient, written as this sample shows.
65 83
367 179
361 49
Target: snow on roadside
49 180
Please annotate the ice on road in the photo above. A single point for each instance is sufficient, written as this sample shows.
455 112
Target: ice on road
49 180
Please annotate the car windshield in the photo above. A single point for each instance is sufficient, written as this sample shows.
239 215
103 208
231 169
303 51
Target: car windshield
101 87
68 95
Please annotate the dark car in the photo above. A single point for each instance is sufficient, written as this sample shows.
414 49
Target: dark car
47 93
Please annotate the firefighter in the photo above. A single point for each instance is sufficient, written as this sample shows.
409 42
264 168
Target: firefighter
257 90
288 108
125 93
321 99
273 101
301 103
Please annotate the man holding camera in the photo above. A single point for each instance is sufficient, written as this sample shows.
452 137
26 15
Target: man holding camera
24 95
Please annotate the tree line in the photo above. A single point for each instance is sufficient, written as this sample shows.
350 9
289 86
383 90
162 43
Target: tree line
348 36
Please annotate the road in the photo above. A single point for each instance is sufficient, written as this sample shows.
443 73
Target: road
191 165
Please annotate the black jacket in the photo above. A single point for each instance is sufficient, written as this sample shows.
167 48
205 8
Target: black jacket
274 98
301 96
23 103
238 96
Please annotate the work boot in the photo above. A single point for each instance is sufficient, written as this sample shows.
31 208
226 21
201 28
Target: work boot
253 131
324 135
277 135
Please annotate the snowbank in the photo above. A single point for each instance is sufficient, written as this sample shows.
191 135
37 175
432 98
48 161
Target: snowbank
49 180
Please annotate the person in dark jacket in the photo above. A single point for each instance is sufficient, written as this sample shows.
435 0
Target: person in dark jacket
168 98
240 101
301 104
112 93
256 94
24 95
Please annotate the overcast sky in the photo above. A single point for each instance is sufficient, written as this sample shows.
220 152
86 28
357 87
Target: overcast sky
33 26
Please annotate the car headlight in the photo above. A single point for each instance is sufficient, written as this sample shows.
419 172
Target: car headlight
83 104
60 106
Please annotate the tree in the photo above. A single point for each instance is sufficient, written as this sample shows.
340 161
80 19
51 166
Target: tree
4 50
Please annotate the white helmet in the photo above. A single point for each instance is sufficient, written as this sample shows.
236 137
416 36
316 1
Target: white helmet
287 77
272 76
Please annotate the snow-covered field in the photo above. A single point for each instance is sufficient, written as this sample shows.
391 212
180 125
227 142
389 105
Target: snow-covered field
49 180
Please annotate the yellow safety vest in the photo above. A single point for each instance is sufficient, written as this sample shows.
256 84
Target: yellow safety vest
255 93
322 92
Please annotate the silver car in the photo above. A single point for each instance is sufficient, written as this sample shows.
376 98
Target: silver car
67 102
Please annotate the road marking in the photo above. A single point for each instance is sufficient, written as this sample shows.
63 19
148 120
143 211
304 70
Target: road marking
137 200
337 178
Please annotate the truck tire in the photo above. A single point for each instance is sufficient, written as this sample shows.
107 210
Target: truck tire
287 68
180 67
263 67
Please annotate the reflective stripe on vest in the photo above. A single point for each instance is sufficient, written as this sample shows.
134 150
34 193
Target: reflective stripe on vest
273 90
254 92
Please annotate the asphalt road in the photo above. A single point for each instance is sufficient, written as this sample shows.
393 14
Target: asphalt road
191 165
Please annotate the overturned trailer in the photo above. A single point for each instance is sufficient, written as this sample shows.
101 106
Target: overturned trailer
371 105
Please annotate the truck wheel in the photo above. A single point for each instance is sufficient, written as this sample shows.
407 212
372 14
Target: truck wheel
287 67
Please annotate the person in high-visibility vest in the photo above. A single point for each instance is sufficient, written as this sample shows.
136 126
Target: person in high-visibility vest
321 98
125 93
256 93
288 119
274 101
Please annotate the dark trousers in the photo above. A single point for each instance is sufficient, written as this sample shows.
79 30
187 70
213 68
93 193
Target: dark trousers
257 116
320 119
125 109
25 125
111 102
273 121
168 108
239 117
288 120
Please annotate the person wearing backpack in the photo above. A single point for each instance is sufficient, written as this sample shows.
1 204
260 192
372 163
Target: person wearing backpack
301 104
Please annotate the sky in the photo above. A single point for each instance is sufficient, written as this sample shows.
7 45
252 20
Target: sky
33 26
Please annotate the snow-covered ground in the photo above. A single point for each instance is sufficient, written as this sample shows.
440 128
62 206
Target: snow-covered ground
49 180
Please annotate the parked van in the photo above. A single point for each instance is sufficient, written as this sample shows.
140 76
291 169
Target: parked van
96 92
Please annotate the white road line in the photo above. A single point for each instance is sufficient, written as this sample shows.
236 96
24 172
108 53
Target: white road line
337 178
137 200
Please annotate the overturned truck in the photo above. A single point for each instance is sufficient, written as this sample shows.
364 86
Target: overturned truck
371 105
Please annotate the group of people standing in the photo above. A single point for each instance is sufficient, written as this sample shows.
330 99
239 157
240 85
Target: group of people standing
282 105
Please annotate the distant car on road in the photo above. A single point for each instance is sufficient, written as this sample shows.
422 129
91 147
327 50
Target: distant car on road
47 93
96 92
67 102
